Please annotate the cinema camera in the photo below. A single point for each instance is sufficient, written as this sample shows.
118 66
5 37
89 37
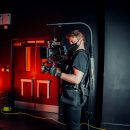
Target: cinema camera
55 54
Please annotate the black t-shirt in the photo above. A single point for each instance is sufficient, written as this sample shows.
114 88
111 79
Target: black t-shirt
79 61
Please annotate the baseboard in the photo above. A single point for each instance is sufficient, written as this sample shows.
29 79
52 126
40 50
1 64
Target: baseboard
115 126
36 106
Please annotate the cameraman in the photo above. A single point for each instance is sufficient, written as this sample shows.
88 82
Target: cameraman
71 96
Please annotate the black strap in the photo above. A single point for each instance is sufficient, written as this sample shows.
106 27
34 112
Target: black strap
85 73
82 84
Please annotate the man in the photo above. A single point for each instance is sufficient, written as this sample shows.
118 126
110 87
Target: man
71 96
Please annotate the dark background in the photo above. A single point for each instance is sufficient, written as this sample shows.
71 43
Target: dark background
110 21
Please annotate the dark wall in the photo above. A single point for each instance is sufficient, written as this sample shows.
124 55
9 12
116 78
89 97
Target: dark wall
116 99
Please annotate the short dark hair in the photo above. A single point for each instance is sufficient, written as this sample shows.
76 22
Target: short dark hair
75 33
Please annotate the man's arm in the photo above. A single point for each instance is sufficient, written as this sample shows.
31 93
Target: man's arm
74 78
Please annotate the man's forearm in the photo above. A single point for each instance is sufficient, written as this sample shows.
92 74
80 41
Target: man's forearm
71 78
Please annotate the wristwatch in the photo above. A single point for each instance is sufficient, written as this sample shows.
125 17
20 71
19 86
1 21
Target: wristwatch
59 74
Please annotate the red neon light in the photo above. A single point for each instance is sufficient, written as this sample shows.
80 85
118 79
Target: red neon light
28 58
17 44
37 41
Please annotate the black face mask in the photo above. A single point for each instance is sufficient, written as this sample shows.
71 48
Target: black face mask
73 47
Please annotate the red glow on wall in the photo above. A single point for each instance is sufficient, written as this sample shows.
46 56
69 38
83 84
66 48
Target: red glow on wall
5 81
0 83
5 75
27 91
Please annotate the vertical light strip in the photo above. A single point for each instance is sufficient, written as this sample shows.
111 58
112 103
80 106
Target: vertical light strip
28 58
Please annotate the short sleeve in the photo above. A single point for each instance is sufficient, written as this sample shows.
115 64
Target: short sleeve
81 61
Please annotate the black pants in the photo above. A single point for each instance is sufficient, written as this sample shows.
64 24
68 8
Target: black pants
72 115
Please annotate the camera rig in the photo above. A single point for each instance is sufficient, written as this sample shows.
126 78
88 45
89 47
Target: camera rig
55 54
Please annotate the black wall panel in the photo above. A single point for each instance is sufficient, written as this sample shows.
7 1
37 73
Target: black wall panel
116 91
